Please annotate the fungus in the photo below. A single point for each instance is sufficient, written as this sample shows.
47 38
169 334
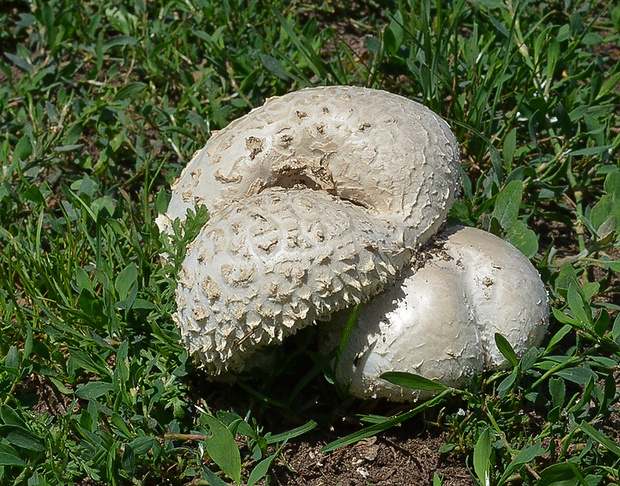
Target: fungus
439 321
318 200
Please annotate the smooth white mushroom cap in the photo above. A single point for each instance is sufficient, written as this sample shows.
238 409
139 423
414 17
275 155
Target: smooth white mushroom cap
440 320
317 199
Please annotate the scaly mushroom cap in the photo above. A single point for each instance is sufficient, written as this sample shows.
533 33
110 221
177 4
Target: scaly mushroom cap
317 199
440 321
272 262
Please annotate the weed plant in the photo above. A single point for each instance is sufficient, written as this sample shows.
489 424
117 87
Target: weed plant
101 104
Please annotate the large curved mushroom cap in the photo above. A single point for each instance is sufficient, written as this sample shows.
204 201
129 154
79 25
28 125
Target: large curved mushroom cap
381 151
317 199
440 321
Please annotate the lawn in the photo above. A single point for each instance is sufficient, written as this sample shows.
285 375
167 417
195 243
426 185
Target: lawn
101 107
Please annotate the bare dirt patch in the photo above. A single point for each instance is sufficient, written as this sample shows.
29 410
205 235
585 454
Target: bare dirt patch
394 458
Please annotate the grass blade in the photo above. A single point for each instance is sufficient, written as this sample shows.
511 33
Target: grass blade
381 427
415 382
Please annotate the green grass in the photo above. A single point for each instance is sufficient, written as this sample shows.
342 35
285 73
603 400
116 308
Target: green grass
100 107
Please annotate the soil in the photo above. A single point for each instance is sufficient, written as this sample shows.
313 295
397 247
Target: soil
390 459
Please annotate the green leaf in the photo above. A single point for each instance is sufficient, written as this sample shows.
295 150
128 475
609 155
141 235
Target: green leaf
604 210
507 204
121 371
372 43
601 211
592 39
612 184
507 383
351 321
589 290
523 238
121 40
482 457
600 438
523 457
554 414
12 359
592 150
125 279
348 328
579 375
528 359
506 349
410 380
563 474
120 424
130 91
128 460
223 449
161 201
141 445
608 85
291 434
60 386
29 342
33 194
446 448
567 276
310 55
509 147
261 469
93 390
22 438
275 67
68 148
23 149
212 478
9 456
20 62
557 389
393 35
602 323
103 203
10 417
86 186
578 306
564 319
83 280
615 330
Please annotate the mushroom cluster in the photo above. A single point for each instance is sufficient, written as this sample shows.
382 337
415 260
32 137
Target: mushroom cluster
322 199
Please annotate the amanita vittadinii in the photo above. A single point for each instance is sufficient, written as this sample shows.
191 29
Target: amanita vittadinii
318 200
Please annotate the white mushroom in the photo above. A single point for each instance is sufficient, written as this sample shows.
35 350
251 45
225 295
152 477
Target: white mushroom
439 321
317 199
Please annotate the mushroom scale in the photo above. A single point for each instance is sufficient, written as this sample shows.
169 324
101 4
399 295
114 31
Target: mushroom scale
373 172
439 320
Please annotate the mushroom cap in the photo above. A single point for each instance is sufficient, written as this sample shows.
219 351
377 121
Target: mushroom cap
317 199
439 321
274 260
384 152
